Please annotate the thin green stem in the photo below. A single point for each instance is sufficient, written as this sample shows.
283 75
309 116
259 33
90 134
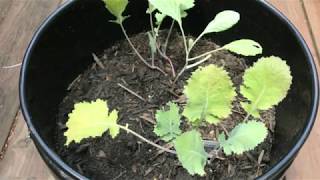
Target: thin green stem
195 42
168 37
187 53
205 54
199 62
137 53
154 36
168 59
146 140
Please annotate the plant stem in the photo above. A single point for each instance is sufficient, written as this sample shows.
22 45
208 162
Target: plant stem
187 53
195 42
154 36
199 62
146 140
168 59
205 54
168 37
137 53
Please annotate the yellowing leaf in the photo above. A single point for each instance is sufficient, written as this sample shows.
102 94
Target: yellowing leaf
210 94
168 122
265 84
244 137
245 47
223 21
91 120
191 153
116 8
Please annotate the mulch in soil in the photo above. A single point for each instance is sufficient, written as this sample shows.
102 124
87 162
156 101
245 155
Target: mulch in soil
126 157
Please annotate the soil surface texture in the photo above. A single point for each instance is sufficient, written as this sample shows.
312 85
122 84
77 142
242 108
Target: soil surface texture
126 157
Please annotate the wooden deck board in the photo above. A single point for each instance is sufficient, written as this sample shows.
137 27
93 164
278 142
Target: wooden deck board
313 12
22 155
18 21
22 160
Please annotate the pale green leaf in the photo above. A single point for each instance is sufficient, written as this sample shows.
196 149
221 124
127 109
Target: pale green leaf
210 94
265 84
173 8
223 21
245 47
159 18
244 137
168 122
152 43
191 153
116 8
91 120
150 9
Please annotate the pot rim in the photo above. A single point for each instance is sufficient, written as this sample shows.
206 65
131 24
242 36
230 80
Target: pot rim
271 173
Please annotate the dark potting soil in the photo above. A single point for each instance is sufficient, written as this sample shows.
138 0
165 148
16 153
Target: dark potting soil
126 157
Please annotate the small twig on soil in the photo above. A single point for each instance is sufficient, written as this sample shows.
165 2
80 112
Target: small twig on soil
148 119
260 157
97 60
251 157
73 82
132 92
12 66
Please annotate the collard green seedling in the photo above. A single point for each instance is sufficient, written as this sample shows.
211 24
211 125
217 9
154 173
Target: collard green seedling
209 91
177 10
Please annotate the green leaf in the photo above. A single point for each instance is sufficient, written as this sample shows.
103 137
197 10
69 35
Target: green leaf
168 122
191 153
210 94
265 84
173 8
159 18
91 120
150 9
152 43
244 137
223 21
116 8
245 47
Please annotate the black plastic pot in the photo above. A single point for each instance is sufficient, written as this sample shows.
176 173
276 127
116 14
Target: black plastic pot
62 47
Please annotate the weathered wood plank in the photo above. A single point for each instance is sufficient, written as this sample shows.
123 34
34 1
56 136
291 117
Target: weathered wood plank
22 160
18 21
312 8
307 163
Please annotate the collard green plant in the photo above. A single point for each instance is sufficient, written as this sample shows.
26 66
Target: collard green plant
265 84
191 153
168 122
244 137
210 93
91 120
116 8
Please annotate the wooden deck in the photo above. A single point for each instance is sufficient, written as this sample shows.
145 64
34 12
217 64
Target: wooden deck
18 21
